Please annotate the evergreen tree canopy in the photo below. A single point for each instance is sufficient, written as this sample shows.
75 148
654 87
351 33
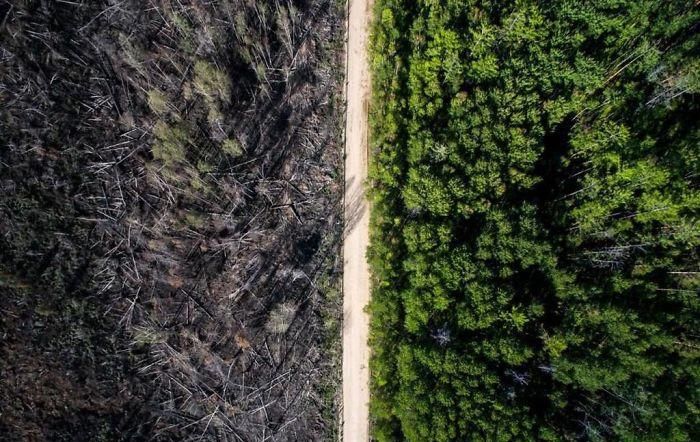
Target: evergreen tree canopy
535 222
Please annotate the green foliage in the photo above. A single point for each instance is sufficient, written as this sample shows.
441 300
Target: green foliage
232 147
534 228
157 101
211 82
171 143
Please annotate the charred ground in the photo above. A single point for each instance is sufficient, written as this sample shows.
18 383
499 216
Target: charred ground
170 213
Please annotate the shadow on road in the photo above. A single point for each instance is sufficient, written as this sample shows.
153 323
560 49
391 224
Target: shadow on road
355 205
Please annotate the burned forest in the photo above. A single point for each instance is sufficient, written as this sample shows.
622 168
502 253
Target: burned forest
170 219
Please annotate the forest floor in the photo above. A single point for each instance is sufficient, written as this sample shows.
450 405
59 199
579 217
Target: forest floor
356 286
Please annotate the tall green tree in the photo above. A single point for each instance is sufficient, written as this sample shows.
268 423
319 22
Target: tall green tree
535 227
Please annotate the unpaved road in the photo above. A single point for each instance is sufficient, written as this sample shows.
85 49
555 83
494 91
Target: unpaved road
356 287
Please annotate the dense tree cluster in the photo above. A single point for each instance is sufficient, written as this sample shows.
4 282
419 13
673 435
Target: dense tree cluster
535 220
170 219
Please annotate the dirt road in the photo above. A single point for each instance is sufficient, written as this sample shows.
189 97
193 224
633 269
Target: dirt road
356 288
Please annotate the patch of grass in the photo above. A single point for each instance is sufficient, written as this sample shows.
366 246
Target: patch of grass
211 82
281 317
158 102
170 143
232 147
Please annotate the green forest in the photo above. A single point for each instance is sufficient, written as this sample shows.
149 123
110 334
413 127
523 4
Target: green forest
534 181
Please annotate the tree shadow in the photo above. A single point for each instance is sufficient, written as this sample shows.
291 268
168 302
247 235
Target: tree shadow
355 205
